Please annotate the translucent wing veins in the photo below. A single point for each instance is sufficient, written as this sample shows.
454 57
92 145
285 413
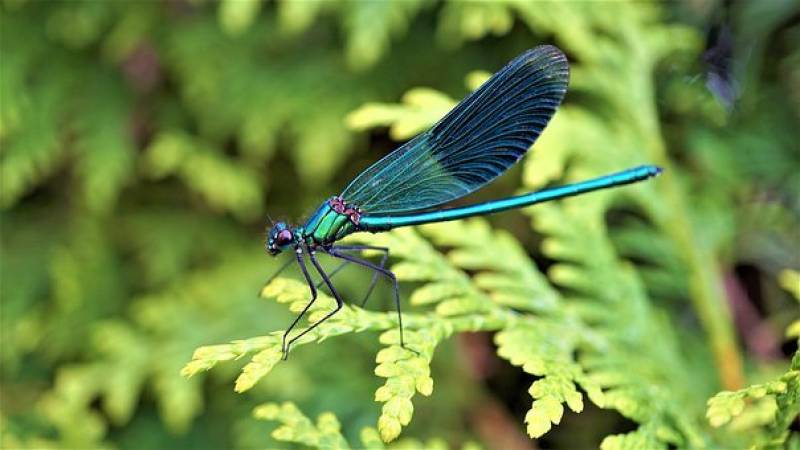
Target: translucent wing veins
484 135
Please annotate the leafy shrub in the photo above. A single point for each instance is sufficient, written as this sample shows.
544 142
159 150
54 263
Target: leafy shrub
143 144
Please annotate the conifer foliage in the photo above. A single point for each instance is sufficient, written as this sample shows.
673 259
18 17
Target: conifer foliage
142 145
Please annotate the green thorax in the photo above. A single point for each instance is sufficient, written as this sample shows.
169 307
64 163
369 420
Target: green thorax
327 226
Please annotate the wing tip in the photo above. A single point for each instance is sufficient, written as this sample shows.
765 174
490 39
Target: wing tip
545 51
546 55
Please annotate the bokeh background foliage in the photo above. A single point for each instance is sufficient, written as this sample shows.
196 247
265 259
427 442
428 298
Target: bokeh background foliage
143 143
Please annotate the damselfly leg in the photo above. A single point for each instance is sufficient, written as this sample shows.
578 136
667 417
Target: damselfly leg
339 303
333 272
326 280
361 248
334 251
302 263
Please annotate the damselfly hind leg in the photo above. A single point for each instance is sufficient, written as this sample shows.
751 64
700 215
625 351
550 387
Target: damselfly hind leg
334 251
361 248
333 273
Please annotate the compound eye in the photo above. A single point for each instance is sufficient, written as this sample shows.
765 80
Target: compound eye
284 238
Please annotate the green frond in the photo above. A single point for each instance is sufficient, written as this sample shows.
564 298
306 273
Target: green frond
68 406
370 26
267 350
295 17
128 361
579 349
31 150
87 285
405 371
235 16
324 434
105 156
470 21
420 108
29 241
511 280
551 359
173 247
460 307
790 280
765 411
634 440
616 303
223 183
141 142
406 374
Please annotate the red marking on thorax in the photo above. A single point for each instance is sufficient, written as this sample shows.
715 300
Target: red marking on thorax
340 206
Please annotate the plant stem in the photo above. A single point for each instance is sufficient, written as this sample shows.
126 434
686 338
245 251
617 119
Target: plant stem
706 289
705 282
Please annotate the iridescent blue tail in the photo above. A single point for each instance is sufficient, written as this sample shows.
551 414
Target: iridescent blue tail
387 222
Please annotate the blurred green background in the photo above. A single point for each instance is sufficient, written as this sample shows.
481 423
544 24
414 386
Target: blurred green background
143 144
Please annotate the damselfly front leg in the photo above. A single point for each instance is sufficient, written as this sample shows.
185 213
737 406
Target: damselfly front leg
302 262
339 303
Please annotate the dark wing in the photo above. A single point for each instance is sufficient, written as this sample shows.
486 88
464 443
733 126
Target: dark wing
485 134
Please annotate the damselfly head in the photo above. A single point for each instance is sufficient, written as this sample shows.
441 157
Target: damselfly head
279 238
